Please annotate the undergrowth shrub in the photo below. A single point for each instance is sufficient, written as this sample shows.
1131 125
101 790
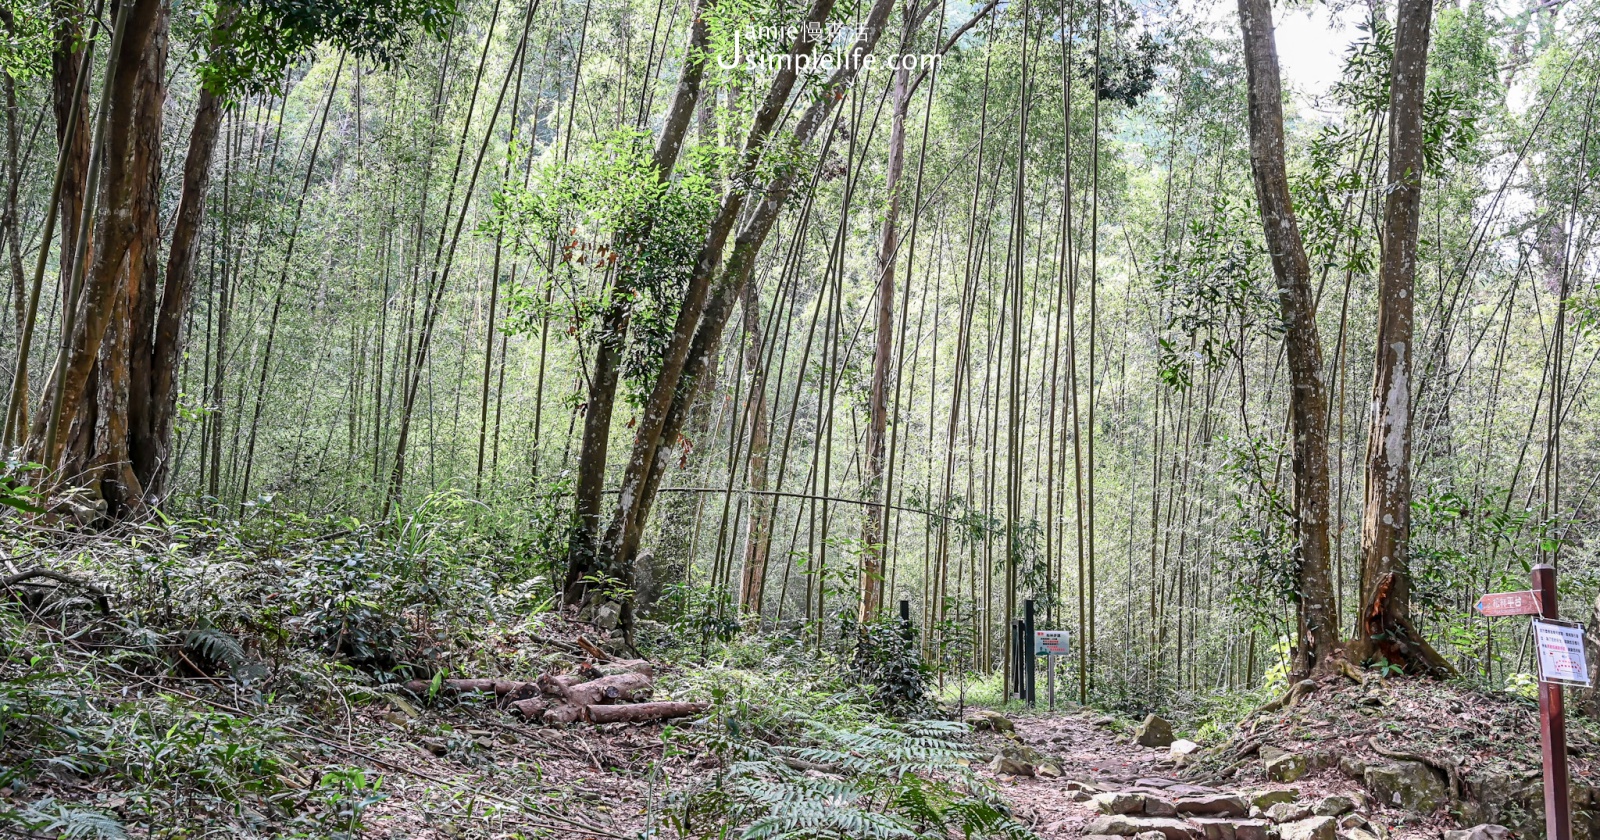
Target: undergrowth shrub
888 661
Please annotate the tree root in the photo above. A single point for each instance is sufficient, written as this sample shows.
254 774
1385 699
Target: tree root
1451 769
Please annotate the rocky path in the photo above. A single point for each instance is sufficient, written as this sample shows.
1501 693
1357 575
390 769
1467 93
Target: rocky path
1073 775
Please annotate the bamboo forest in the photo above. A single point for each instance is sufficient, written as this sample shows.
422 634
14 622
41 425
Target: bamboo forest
713 419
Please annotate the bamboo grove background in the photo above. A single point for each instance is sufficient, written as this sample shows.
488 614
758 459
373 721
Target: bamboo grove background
1088 398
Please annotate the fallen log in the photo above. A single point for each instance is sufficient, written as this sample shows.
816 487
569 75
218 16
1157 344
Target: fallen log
566 713
617 688
641 712
557 684
532 708
505 691
596 670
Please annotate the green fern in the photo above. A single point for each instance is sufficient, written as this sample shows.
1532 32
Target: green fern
215 646
68 822
878 782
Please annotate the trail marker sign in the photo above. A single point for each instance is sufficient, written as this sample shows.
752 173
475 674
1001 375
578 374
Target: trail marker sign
1051 643
1561 654
1510 603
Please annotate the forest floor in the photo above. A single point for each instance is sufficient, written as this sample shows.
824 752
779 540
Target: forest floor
219 687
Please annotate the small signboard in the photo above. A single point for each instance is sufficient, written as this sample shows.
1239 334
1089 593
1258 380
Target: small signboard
1561 654
1051 643
1510 603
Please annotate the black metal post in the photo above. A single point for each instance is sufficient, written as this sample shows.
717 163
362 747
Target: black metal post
1028 658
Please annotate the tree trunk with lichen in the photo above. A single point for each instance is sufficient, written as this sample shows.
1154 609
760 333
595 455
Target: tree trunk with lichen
1385 628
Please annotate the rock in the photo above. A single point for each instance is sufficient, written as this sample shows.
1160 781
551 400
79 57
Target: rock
1119 802
1353 821
1282 766
1221 828
1155 806
1353 767
1218 805
1316 828
1002 766
1047 770
1153 732
1479 832
1125 826
1105 722
1155 782
1190 790
1359 834
1267 798
1409 785
1149 835
1182 747
1078 796
1333 806
1022 752
988 719
1288 812
609 615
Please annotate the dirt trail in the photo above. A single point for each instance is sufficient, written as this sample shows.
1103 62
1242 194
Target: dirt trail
1085 751
1151 795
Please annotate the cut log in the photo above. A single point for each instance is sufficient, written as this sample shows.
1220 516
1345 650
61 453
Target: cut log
596 670
618 688
505 691
533 708
567 713
639 712
557 684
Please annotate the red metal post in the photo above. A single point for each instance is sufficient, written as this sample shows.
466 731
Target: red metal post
1553 727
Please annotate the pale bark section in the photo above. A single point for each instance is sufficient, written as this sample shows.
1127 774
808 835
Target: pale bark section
1308 399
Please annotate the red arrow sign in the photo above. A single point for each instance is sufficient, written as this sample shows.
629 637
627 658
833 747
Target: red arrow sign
1509 603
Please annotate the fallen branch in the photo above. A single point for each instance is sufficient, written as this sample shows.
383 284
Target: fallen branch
22 579
593 649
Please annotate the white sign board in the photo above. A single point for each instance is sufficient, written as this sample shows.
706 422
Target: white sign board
1561 655
1051 642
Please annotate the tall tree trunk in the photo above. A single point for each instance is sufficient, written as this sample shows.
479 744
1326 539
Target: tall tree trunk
1308 400
124 410
758 535
872 536
614 558
67 400
152 445
614 320
1385 628
68 96
701 336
